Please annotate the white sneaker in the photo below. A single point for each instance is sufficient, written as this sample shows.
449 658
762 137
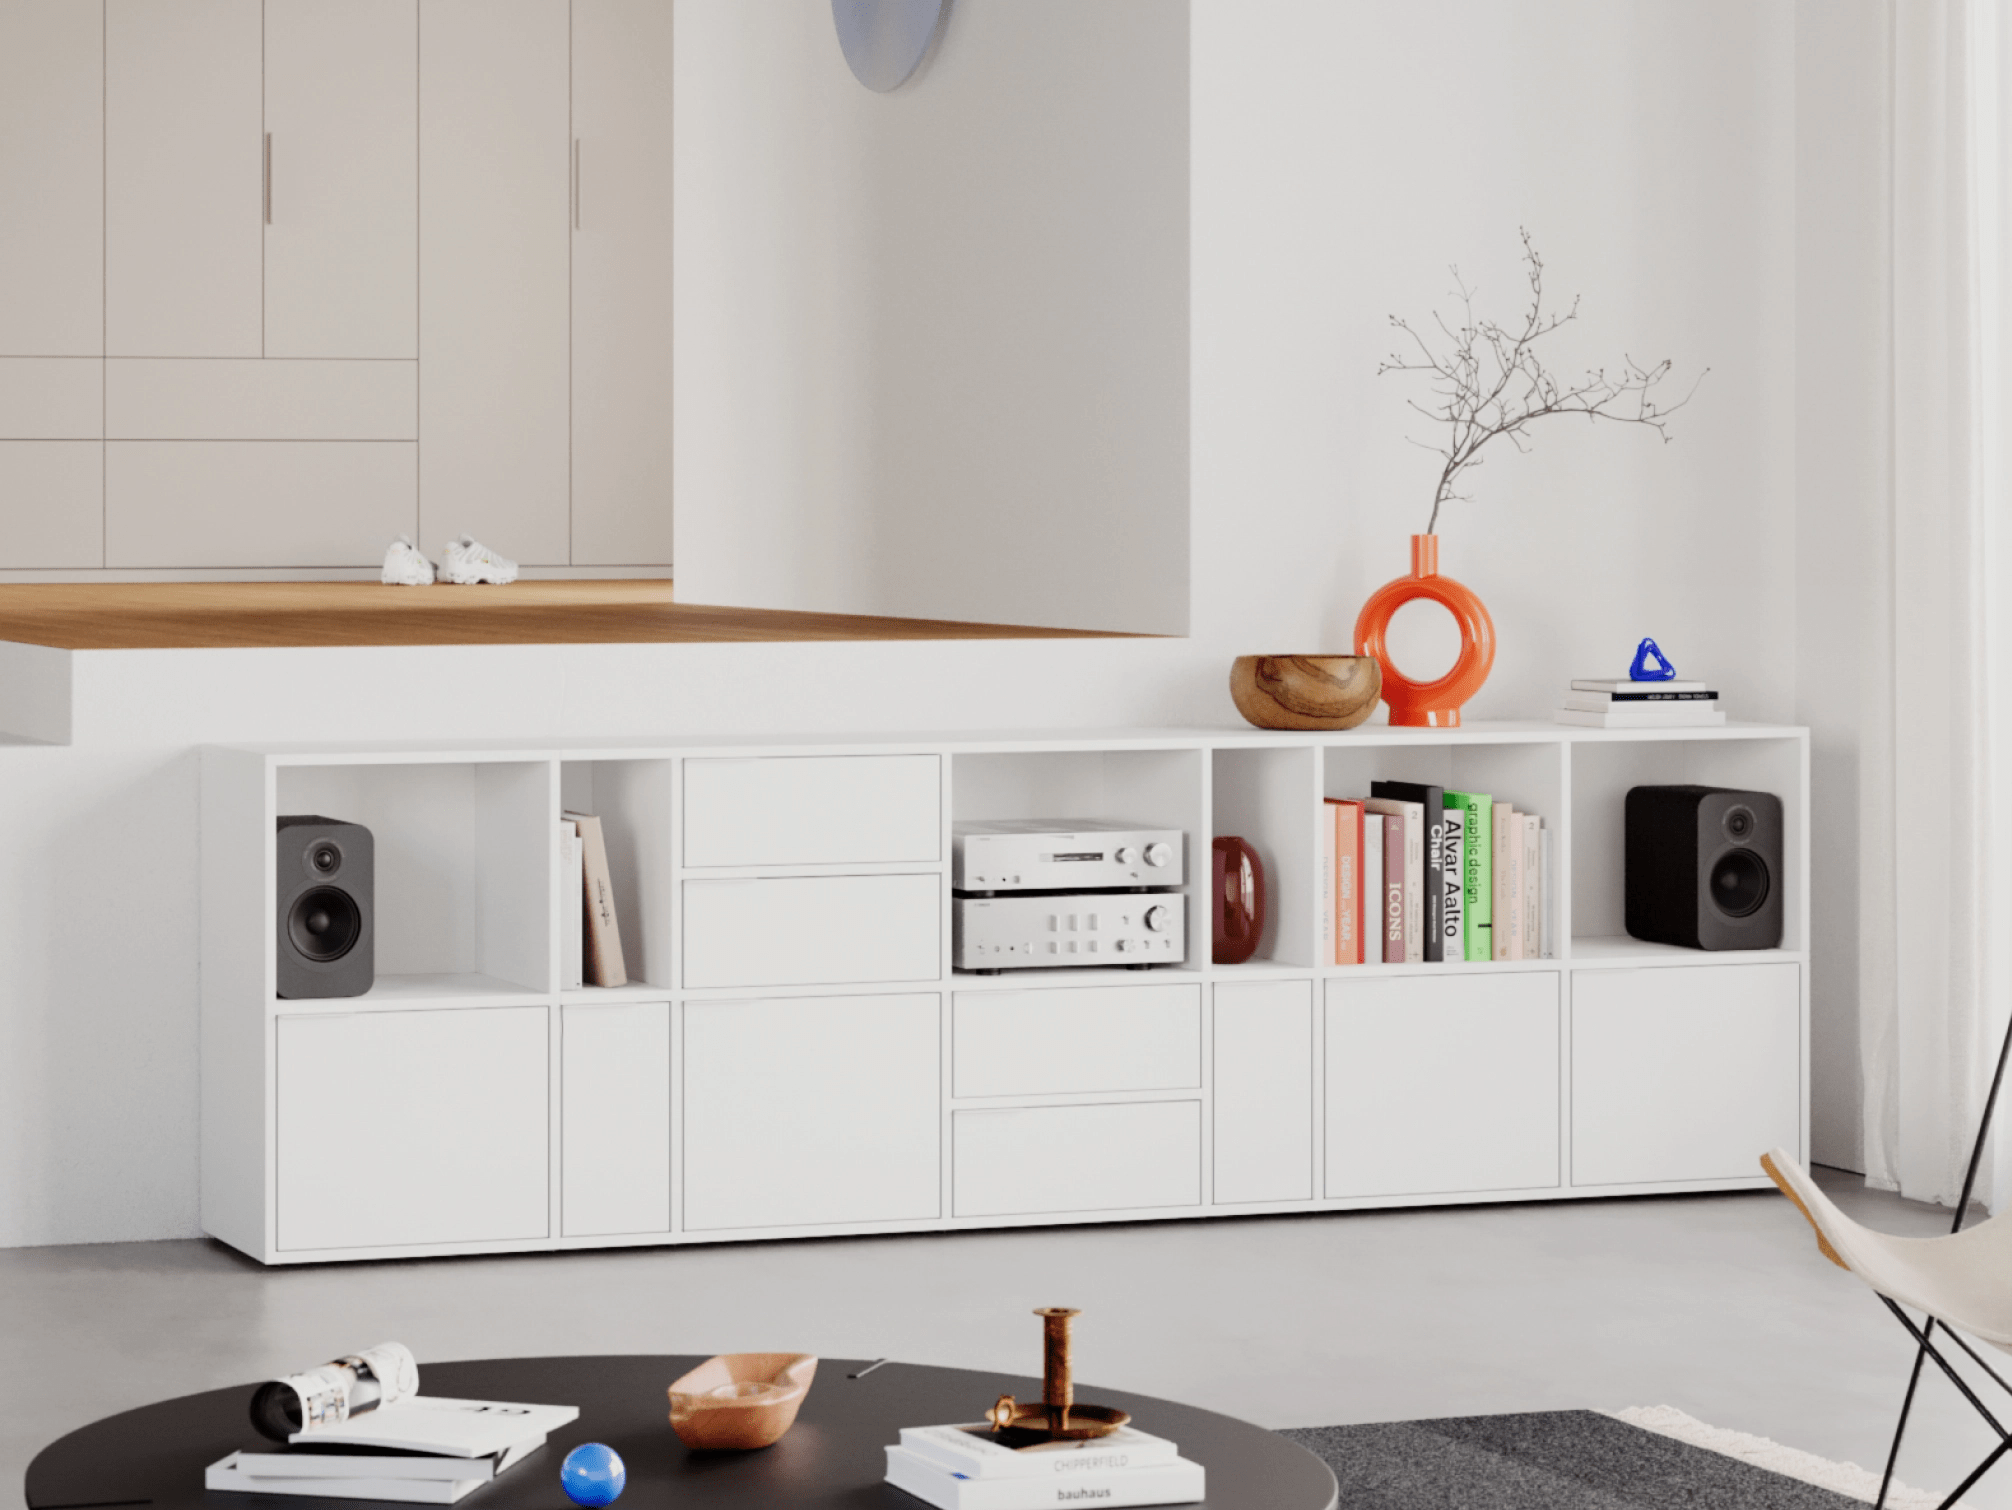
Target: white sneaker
469 560
405 566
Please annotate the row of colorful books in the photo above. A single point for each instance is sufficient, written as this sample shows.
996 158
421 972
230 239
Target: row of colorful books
1415 874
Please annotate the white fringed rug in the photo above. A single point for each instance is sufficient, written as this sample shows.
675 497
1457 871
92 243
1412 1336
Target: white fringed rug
1842 1478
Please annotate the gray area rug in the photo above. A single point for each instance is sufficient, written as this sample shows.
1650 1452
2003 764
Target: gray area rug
1546 1460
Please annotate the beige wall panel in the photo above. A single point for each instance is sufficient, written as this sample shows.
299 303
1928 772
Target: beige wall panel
256 503
183 178
494 328
51 503
52 398
622 283
52 167
166 399
342 240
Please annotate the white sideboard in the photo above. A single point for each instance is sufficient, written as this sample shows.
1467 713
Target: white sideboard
795 1056
292 277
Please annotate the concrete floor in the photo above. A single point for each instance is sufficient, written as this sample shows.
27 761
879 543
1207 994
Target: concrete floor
1718 1305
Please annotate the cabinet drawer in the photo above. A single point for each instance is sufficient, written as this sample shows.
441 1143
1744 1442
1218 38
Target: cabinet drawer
814 810
165 399
410 1127
257 503
615 1118
1021 1161
813 930
52 503
1103 1038
1684 1072
52 398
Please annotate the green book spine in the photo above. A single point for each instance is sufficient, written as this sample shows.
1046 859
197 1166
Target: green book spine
1478 860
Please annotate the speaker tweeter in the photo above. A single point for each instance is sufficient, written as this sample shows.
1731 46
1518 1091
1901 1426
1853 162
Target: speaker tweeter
1704 867
325 895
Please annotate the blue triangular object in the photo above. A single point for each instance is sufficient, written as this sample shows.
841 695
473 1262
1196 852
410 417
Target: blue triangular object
1650 664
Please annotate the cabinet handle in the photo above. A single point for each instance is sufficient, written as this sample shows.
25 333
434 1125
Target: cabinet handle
267 172
576 183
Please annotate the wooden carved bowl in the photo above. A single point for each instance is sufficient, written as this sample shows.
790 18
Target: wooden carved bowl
1306 691
740 1400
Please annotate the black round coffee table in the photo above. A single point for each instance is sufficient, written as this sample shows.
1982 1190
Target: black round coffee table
155 1456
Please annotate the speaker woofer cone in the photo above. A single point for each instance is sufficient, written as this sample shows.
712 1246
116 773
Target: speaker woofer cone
1739 883
324 924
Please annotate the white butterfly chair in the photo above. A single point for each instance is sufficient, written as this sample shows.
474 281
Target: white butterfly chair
1963 1282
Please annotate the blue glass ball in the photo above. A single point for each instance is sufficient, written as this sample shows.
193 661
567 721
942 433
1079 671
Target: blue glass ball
593 1474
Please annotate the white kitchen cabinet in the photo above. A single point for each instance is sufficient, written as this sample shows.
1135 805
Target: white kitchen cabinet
163 398
811 1112
184 178
615 1118
342 221
414 1127
52 501
494 323
198 503
812 930
52 398
52 177
621 282
1687 1073
1120 1038
1441 1085
1263 1085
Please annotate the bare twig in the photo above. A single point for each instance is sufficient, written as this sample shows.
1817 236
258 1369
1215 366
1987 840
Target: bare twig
1490 383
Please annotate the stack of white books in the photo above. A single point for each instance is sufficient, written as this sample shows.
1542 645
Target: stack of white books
421 1451
1597 704
964 1467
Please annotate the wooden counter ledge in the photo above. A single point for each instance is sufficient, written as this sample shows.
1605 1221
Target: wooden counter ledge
241 615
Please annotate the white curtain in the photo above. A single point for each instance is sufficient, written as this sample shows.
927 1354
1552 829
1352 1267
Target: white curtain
1935 946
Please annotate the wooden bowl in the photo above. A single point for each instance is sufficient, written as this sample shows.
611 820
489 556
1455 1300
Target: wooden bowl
740 1400
1306 691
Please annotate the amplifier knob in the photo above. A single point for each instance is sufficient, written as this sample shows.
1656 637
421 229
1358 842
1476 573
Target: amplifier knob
1159 854
1123 855
1156 918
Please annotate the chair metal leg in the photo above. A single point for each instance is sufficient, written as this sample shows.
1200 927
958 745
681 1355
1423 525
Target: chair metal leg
1900 1428
1975 1474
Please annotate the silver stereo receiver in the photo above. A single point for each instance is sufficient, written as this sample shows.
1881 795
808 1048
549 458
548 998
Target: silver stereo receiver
1063 854
1068 932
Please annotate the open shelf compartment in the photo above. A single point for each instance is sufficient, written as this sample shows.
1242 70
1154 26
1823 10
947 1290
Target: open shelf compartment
633 799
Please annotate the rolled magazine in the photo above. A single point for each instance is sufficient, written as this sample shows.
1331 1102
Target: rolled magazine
329 1395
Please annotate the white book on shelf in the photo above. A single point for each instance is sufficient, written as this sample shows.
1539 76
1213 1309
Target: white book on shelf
1179 1482
1373 932
1616 702
572 909
970 1449
1623 685
1328 942
1544 861
1533 886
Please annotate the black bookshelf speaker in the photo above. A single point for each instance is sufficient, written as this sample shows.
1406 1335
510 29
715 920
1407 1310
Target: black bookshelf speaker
1704 867
326 888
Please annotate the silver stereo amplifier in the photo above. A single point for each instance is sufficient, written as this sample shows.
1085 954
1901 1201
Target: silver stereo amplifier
1063 854
1068 932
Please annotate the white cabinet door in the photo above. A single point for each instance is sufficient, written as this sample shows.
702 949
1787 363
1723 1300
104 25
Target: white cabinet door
615 1118
622 282
52 178
813 931
52 503
184 174
1023 1161
494 150
811 1112
1120 1038
342 226
1684 1072
412 1127
1264 1091
1438 1086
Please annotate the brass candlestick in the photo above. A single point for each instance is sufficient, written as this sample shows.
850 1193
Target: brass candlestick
1058 1418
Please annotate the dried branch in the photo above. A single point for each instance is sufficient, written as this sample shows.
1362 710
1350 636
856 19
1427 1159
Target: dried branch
1490 383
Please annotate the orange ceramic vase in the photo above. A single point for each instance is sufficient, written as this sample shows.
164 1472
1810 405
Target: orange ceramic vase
1430 705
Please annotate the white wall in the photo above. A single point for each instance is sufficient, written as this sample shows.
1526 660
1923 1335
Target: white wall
1844 474
932 345
1342 155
